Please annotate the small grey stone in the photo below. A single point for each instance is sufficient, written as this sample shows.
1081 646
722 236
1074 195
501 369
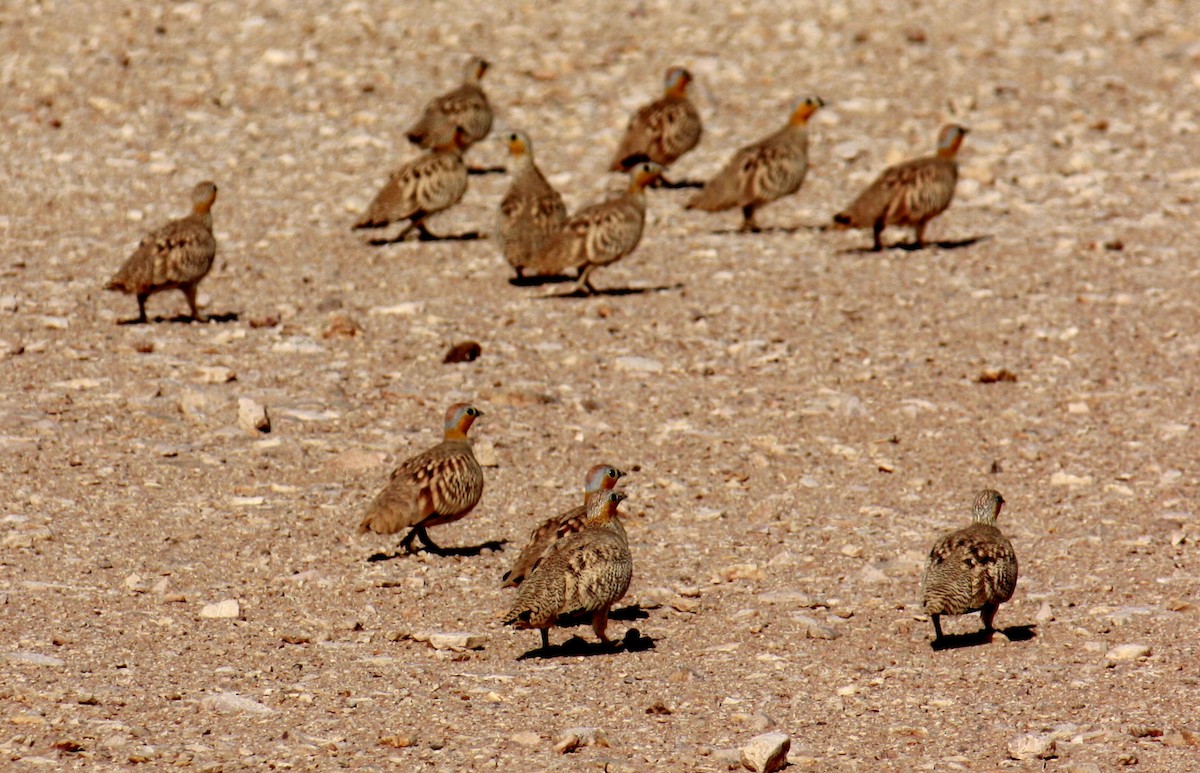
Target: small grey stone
814 628
485 453
34 659
455 641
578 737
766 753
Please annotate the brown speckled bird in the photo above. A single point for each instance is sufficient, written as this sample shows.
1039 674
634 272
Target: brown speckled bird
425 186
546 537
763 172
971 569
178 255
436 486
663 130
586 574
911 193
600 234
465 106
531 212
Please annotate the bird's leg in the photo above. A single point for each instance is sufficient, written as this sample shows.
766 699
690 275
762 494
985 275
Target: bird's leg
921 234
584 285
937 627
189 292
749 225
599 624
430 545
406 544
142 297
545 638
987 614
878 236
423 233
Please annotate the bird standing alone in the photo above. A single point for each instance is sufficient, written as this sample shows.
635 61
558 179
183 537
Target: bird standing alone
176 256
970 569
663 130
439 485
763 172
466 106
911 193
423 187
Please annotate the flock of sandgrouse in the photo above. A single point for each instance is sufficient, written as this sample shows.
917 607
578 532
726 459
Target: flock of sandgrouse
578 563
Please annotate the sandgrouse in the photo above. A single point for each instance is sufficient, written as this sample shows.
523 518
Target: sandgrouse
600 234
425 186
586 574
440 485
178 255
763 172
911 193
466 106
543 540
531 212
663 130
971 569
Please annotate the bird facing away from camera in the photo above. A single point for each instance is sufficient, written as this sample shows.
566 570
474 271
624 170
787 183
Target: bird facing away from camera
549 534
531 212
600 234
439 485
970 569
663 130
763 172
423 187
911 193
466 106
176 256
586 574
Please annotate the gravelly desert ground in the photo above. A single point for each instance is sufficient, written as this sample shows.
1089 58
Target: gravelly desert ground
800 418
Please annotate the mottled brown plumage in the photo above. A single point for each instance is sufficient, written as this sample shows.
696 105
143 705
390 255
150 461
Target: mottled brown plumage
663 130
600 234
586 574
971 569
549 534
425 186
176 256
531 212
763 172
440 485
911 193
466 106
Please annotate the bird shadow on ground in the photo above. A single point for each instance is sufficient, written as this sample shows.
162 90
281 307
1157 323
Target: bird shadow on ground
482 170
662 182
538 281
179 319
473 550
952 244
957 641
578 647
469 236
626 614
772 229
615 291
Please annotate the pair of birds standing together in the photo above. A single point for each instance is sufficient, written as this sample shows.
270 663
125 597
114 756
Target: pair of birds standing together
576 563
579 562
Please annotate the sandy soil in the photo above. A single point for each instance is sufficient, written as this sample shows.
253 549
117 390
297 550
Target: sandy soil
800 418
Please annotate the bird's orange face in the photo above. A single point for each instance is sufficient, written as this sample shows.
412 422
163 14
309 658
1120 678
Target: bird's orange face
602 477
950 138
644 174
459 418
517 144
805 109
677 81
